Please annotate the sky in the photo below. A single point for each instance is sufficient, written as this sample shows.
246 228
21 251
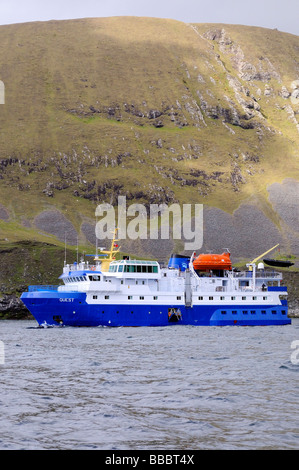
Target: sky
280 14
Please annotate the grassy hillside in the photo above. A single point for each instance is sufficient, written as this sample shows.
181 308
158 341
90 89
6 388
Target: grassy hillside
156 110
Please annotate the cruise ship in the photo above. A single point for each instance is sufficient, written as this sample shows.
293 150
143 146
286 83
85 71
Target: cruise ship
200 290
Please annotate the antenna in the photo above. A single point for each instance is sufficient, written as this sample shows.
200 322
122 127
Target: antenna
64 248
77 251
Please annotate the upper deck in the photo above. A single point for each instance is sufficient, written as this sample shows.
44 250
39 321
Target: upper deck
139 268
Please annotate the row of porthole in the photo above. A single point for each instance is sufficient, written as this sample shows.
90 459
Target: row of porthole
253 312
130 297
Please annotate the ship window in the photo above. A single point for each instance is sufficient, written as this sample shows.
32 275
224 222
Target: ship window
120 268
254 297
223 312
222 297
141 297
245 312
106 296
179 297
130 297
274 312
233 298
155 297
144 270
283 312
155 269
263 312
264 298
139 269
243 298
94 296
234 312
200 298
211 298
252 312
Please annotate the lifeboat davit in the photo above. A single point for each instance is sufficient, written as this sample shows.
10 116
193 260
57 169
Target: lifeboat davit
207 262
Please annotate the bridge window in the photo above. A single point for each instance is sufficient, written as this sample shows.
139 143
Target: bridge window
94 278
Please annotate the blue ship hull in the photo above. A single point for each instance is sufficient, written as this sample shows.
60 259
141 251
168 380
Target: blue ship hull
71 309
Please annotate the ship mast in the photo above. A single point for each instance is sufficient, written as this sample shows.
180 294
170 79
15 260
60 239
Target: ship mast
105 263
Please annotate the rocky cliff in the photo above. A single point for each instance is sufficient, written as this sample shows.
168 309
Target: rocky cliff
155 110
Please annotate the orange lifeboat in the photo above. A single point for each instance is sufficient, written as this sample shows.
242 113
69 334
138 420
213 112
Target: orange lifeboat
207 262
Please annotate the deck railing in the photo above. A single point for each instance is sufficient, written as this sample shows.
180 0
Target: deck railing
42 288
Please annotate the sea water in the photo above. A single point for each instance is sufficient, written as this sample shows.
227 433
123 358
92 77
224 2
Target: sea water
176 387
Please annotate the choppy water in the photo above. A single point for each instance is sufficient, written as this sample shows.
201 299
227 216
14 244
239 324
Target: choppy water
149 388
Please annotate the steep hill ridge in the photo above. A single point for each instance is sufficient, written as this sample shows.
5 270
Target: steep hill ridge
159 111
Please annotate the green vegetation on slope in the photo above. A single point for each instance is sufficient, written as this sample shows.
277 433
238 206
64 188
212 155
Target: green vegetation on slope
156 110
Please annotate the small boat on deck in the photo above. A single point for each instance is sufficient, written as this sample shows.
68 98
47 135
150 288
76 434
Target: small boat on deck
213 262
278 263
